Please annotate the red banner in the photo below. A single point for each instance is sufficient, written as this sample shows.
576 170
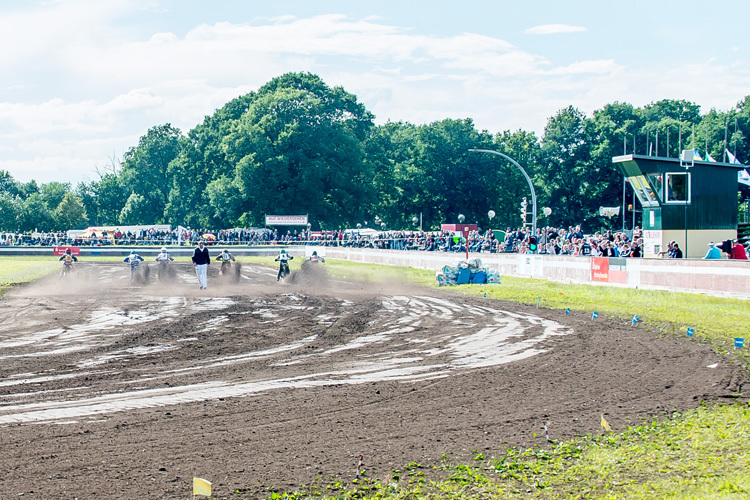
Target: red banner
600 269
61 250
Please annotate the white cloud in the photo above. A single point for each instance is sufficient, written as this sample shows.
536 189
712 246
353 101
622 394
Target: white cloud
553 29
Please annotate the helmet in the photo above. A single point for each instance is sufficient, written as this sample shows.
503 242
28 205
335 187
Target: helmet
225 251
163 249
132 253
67 250
315 252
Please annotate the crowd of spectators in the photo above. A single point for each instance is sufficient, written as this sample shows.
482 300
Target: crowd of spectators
548 240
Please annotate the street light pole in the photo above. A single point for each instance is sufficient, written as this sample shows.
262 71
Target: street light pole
528 179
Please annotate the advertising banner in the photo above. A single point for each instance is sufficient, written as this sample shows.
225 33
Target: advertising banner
652 242
286 220
599 269
61 250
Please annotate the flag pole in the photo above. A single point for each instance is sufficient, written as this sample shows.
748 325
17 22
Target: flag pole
726 130
692 140
706 130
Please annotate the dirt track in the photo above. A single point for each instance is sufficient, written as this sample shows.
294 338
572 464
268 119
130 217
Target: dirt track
113 391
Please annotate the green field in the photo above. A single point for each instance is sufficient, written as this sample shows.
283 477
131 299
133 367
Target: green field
698 454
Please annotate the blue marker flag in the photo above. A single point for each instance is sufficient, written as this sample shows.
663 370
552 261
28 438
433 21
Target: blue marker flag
538 301
567 311
739 342
690 332
635 319
593 316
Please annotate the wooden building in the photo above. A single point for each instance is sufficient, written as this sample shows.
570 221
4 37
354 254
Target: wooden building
688 201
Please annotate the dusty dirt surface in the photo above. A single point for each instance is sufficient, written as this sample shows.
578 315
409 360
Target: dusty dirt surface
116 391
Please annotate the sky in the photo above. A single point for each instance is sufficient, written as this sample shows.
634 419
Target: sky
82 80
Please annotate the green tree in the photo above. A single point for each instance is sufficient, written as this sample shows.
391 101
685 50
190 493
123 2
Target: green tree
389 154
8 185
299 150
34 214
10 208
53 193
565 175
71 213
443 183
202 159
145 169
135 210
512 187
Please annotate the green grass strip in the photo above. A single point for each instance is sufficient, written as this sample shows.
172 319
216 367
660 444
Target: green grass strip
16 270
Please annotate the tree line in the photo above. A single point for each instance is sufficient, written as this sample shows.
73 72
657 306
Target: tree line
298 146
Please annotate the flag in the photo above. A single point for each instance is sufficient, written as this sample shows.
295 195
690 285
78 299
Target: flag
635 319
742 176
567 311
593 316
201 487
690 332
709 157
732 158
697 156
739 342
605 425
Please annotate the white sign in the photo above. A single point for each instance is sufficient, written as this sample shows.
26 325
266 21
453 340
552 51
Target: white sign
652 241
286 220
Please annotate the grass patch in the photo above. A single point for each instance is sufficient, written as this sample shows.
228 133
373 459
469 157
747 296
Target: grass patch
16 270
695 455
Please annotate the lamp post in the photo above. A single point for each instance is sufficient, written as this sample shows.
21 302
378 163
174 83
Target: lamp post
687 160
418 220
465 230
528 179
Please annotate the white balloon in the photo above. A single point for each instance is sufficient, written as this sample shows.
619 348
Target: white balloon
547 211
491 214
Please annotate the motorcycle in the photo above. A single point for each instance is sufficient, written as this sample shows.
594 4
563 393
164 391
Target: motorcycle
165 272
139 274
67 268
230 271
283 270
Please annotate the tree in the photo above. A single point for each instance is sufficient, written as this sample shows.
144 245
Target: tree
203 159
389 154
135 211
71 213
145 169
566 175
53 193
10 207
442 183
8 185
34 214
299 150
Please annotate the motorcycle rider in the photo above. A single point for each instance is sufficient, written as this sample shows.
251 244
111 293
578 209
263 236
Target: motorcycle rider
283 259
135 262
225 258
315 257
68 260
163 256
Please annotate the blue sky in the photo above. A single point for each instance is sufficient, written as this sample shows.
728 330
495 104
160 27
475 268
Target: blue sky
82 80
